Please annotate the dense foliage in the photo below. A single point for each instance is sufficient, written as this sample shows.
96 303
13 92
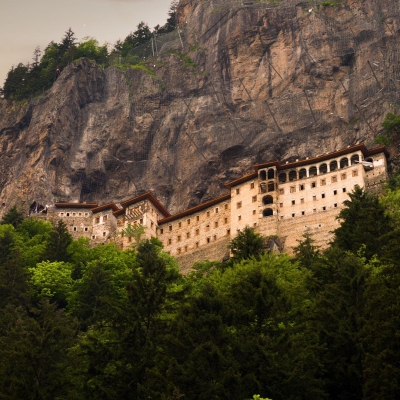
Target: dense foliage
24 81
100 323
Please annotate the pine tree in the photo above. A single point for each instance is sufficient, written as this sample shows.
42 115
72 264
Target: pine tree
13 217
59 240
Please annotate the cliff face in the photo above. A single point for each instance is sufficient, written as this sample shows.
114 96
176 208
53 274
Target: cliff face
251 84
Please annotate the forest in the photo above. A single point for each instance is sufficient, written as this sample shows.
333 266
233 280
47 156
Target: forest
101 323
28 80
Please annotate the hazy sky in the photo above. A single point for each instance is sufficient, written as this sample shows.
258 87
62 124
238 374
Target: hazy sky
25 24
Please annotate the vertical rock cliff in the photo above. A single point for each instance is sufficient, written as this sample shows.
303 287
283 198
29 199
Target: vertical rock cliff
247 82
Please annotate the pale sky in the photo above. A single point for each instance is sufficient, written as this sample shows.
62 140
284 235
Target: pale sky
25 24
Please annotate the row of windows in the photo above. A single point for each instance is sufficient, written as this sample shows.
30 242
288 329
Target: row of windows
187 235
74 214
314 210
322 169
97 220
197 218
76 229
184 249
335 192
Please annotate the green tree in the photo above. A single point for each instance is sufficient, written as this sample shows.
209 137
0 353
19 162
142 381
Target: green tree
57 245
34 359
363 222
247 244
13 217
381 332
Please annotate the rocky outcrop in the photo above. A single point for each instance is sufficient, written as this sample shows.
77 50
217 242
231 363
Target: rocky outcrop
251 83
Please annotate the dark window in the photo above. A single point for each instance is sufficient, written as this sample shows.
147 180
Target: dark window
313 171
267 200
344 162
271 174
268 212
355 159
333 166
292 175
282 177
263 175
302 173
323 169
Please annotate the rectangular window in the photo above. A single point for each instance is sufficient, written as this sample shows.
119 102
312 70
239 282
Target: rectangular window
86 214
226 220
141 221
280 204
252 185
104 234
86 228
239 217
197 218
208 213
302 200
161 231
61 214
197 232
293 202
75 229
226 206
73 214
207 227
67 214
343 177
170 228
355 172
151 224
303 213
179 238
335 205
335 192
344 190
255 224
334 179
169 241
80 214
301 187
293 214
324 208
292 189
104 218
196 245
323 195
208 240
178 250
187 235
186 249
239 204
237 191
314 197
313 184
281 191
254 199
179 224
323 182
215 238
254 212
97 220
217 210
216 224
314 210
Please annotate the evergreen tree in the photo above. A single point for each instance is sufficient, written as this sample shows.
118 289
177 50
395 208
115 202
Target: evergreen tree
13 217
363 222
59 240
247 244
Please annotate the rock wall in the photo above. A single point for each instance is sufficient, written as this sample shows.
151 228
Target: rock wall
250 84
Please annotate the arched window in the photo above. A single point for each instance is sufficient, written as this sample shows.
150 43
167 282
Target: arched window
271 186
268 212
313 171
263 187
292 175
355 159
267 200
333 165
323 169
369 159
302 173
344 162
282 177
263 176
271 174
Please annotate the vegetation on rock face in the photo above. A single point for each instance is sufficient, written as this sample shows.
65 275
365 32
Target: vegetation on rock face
24 81
84 323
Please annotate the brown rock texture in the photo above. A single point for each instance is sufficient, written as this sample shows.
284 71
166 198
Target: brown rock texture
252 83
